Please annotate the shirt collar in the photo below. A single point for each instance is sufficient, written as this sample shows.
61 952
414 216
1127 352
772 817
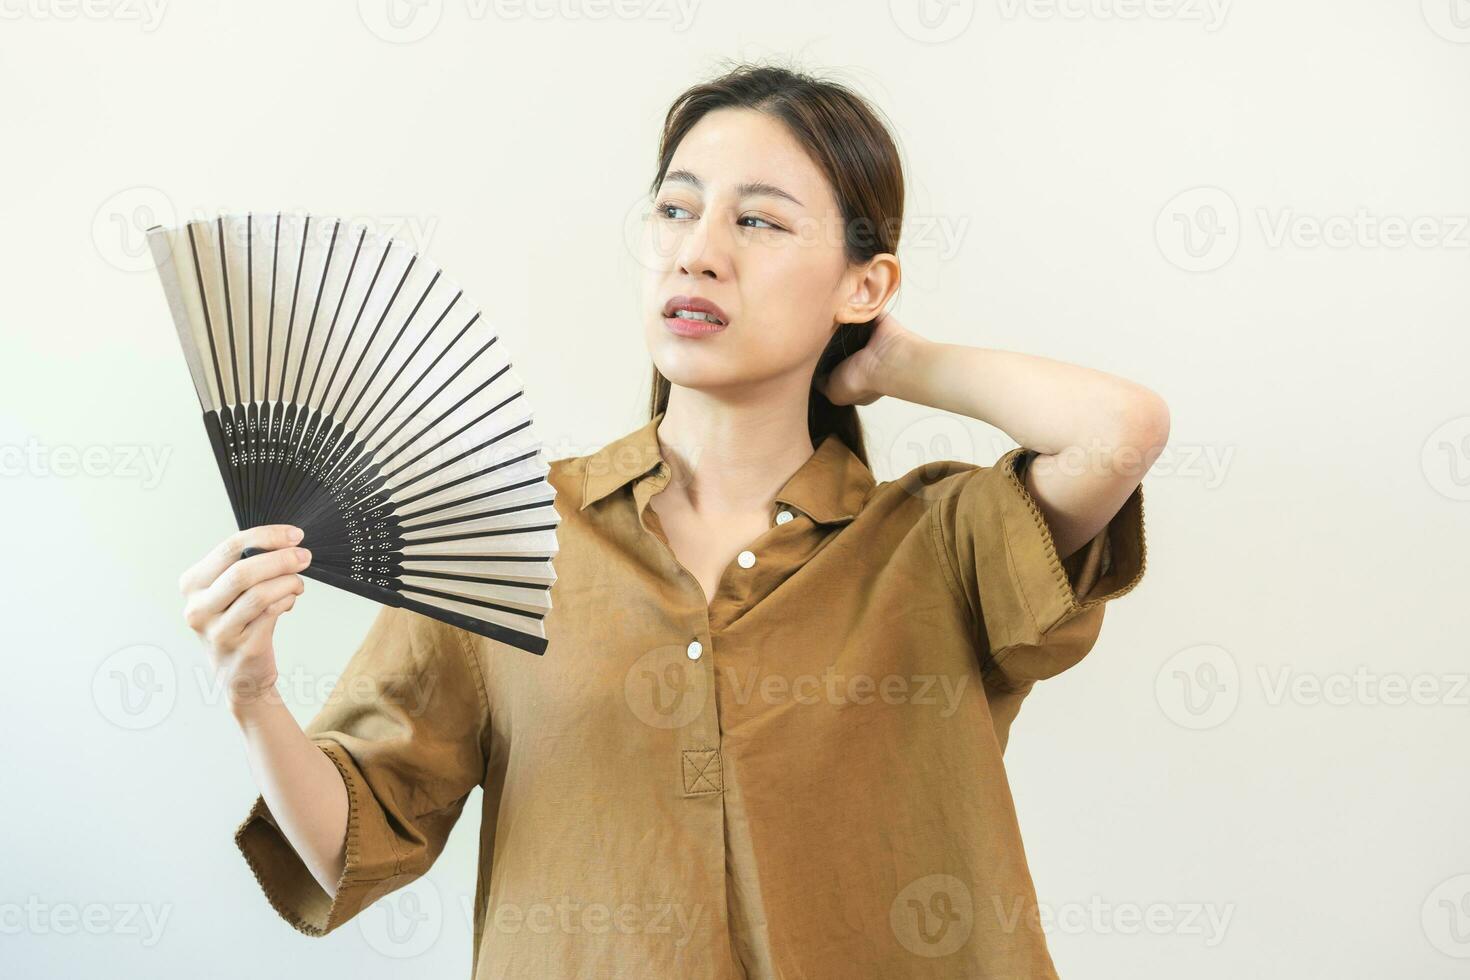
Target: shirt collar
830 487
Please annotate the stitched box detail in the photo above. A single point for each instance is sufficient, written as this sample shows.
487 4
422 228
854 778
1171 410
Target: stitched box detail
702 772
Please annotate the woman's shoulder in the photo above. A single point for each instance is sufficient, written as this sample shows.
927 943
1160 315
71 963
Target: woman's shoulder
923 484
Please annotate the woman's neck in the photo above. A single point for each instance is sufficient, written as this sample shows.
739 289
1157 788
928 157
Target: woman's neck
731 458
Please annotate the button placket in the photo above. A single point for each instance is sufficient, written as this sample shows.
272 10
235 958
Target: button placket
699 747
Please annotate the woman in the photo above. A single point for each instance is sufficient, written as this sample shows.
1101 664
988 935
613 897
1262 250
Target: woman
765 739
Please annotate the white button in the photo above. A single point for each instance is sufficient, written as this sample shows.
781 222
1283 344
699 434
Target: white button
695 649
783 516
746 559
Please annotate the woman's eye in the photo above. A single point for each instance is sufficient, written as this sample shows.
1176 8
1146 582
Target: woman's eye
768 224
664 209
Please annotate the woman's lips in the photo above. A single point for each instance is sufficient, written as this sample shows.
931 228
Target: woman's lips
691 328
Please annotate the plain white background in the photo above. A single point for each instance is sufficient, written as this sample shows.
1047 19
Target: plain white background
1258 210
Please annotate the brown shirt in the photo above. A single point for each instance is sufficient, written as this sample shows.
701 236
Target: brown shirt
800 779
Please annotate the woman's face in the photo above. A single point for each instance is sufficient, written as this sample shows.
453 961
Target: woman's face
746 221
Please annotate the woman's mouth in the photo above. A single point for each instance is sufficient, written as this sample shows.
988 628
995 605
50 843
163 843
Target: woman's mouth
693 316
692 326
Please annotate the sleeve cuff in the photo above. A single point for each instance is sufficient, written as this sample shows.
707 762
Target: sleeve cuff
1055 591
371 857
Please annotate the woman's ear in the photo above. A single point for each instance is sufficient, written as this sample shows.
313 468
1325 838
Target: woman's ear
869 288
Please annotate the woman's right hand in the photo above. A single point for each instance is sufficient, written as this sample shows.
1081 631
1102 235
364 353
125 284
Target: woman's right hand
233 603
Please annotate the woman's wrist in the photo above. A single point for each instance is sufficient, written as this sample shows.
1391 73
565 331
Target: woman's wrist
898 369
254 707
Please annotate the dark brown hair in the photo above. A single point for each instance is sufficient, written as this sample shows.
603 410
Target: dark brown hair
854 150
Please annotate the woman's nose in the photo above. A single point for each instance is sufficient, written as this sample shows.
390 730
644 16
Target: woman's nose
704 251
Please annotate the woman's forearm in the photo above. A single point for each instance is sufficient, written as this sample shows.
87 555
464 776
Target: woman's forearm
300 785
1042 404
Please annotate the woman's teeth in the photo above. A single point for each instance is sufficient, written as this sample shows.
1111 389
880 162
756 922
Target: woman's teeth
691 315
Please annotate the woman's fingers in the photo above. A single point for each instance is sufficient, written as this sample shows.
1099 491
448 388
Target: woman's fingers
266 621
255 602
205 571
236 579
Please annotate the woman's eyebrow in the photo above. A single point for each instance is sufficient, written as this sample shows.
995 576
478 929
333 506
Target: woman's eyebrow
750 188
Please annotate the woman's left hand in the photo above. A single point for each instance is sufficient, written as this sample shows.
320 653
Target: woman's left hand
858 378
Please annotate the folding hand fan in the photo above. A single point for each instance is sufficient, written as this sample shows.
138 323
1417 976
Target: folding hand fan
350 389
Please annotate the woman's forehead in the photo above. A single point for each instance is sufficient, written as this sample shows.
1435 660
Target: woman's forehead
728 150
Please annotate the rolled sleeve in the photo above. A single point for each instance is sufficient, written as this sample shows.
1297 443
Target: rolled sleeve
405 726
1035 614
